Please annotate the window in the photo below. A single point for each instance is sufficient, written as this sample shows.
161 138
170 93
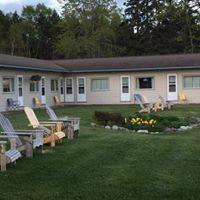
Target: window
145 83
34 86
8 84
191 81
69 89
54 85
99 84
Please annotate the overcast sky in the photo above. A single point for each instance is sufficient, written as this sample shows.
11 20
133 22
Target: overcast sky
12 5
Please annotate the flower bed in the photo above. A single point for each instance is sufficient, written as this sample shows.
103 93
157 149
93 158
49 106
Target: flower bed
143 122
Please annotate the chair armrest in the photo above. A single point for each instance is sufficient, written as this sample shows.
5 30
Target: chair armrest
3 147
19 133
9 136
3 142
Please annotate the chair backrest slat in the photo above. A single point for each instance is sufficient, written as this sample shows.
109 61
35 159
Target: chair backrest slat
51 113
31 117
138 99
7 127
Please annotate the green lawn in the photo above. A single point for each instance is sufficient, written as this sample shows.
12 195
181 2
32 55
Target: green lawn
108 165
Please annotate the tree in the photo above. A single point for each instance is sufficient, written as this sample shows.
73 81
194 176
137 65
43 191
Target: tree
90 26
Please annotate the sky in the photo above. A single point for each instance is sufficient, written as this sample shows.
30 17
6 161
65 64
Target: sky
12 5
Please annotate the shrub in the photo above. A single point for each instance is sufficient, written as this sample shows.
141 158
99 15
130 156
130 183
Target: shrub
106 118
101 118
116 119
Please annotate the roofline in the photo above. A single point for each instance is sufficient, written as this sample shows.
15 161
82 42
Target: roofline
32 68
96 70
128 70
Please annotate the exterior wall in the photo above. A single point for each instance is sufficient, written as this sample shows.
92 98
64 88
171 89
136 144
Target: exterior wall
28 96
111 96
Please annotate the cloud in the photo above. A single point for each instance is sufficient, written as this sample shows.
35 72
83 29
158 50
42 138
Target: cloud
17 5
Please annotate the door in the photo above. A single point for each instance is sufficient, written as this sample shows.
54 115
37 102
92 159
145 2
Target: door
20 90
172 93
43 89
81 89
125 88
69 86
62 90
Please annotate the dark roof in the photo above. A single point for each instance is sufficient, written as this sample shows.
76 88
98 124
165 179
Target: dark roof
18 62
137 63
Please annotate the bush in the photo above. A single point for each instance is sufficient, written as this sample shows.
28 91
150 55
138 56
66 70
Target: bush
106 118
116 119
101 118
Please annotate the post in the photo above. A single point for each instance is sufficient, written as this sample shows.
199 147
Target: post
2 155
52 137
29 147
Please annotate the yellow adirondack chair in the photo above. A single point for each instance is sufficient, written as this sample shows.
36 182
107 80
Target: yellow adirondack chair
36 102
183 98
57 100
52 134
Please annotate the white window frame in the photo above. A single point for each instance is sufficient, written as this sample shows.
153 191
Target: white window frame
56 85
100 78
14 84
36 86
185 76
139 77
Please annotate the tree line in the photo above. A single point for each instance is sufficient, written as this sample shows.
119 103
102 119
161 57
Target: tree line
90 29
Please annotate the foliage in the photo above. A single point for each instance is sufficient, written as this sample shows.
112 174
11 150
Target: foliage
155 122
106 118
106 166
90 29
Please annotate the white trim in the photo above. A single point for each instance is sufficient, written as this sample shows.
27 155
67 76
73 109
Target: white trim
81 97
125 96
62 96
20 98
172 96
43 97
69 97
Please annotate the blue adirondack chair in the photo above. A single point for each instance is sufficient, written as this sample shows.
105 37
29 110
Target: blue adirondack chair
145 107
12 105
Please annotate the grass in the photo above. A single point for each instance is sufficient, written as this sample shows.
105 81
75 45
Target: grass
108 165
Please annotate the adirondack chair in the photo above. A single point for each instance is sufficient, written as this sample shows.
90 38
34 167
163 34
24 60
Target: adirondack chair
166 104
50 135
37 103
57 100
11 155
183 98
145 106
12 105
70 125
33 139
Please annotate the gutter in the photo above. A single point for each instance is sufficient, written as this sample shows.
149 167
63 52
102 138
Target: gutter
32 68
96 70
133 70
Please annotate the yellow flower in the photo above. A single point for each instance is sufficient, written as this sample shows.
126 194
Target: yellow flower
125 120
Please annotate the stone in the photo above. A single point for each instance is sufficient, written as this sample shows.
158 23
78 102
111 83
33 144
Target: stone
93 124
115 127
185 127
107 127
143 131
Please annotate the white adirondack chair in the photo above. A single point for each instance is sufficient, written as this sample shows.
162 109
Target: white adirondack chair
71 124
33 139
11 155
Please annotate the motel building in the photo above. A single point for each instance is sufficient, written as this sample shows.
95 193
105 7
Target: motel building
99 80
